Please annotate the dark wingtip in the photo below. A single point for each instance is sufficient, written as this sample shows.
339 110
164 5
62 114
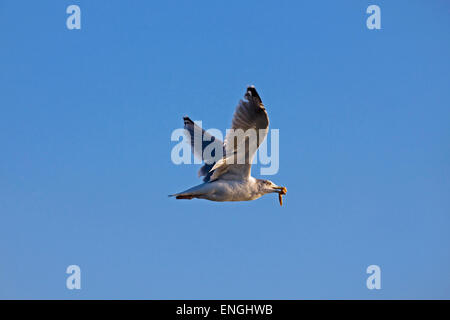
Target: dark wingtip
187 120
251 90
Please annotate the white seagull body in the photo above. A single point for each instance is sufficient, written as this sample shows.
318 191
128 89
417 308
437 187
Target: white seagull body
228 179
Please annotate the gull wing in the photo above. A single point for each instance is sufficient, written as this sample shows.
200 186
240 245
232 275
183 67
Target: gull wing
206 139
250 114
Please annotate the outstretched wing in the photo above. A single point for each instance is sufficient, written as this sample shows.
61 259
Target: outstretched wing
205 139
250 116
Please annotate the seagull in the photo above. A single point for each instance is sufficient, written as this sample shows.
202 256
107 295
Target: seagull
228 179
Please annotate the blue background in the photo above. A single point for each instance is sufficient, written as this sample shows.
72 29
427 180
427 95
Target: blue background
85 168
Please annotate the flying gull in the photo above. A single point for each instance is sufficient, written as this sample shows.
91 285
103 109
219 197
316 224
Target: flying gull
229 179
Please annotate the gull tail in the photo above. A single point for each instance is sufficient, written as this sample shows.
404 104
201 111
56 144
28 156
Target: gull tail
189 194
183 196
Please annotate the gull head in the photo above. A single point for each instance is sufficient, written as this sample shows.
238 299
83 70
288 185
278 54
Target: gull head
267 186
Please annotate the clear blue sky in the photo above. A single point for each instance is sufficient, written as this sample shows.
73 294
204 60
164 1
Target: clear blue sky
85 169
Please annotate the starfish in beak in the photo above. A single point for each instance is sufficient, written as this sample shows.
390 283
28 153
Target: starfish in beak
281 192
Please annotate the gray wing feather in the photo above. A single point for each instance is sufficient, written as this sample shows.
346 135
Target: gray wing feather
249 114
198 151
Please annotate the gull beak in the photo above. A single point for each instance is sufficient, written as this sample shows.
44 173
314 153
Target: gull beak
281 192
